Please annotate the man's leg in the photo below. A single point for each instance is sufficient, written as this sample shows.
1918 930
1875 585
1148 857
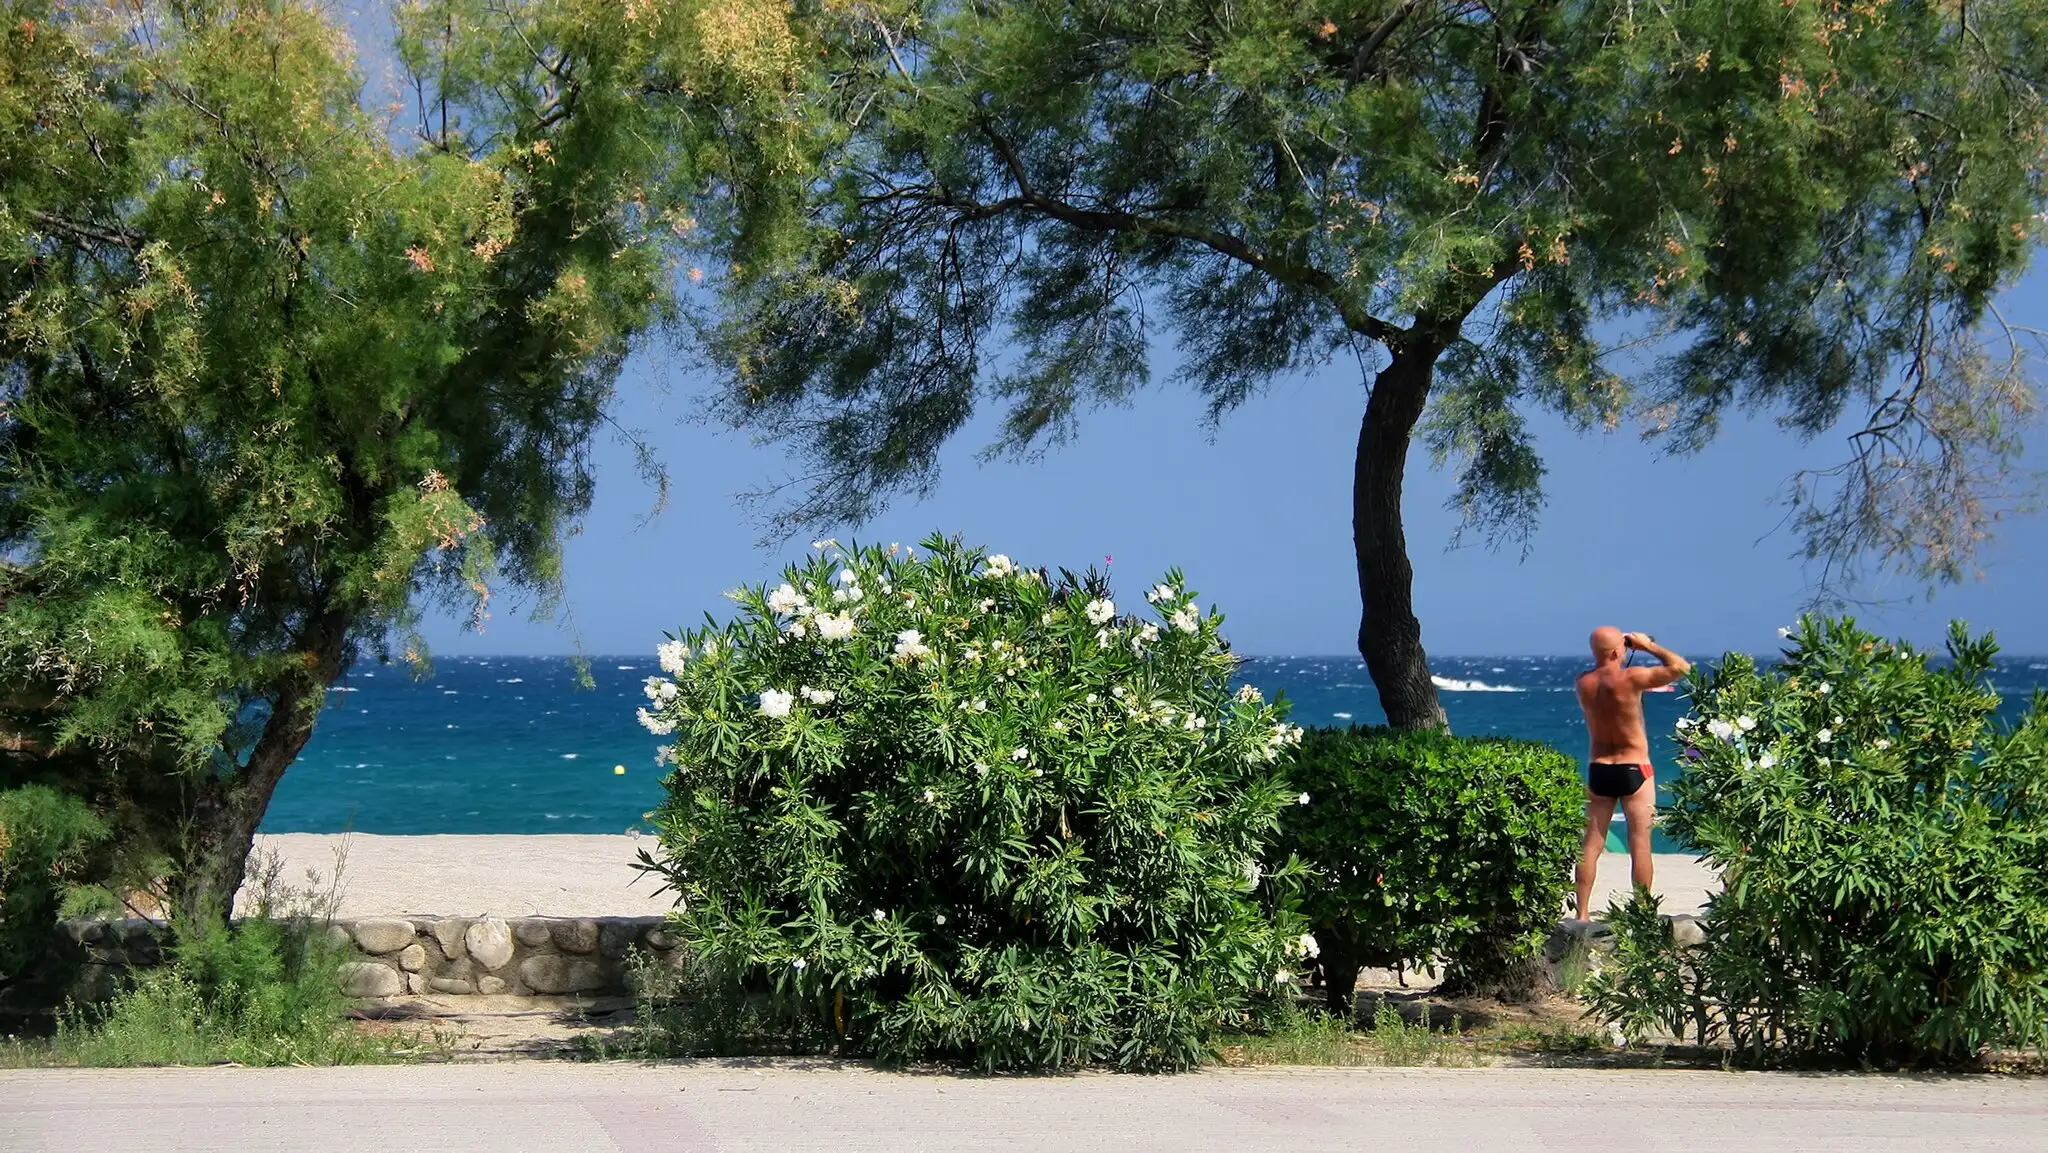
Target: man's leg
1599 814
1640 807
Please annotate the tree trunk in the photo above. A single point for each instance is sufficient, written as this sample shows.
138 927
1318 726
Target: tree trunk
222 824
1389 636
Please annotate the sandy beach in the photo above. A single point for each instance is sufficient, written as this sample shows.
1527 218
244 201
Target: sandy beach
593 875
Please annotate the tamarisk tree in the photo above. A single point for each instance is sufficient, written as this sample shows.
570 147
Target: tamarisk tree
1801 206
283 366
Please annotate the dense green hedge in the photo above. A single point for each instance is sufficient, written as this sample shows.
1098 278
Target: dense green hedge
1433 846
1882 843
953 809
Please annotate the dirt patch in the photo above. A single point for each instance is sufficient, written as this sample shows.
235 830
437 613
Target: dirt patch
481 1028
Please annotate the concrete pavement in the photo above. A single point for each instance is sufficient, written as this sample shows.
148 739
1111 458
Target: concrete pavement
730 1106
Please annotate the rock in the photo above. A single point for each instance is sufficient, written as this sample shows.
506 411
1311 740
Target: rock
451 985
615 937
659 938
338 939
448 933
413 957
1686 931
489 941
531 931
1574 935
415 984
555 974
576 936
370 979
380 935
491 986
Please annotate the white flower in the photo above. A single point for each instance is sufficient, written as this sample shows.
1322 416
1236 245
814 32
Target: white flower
930 795
834 626
819 696
673 655
1745 722
910 646
849 595
880 915
987 603
1768 760
999 566
1252 872
1059 726
1825 688
1684 723
659 726
1159 594
1038 772
1100 612
1824 736
1721 729
798 628
1784 632
1149 633
668 691
1102 638
847 577
894 548
1881 744
1092 698
1302 799
1309 948
652 687
776 703
1020 754
822 545
797 964
1282 976
1186 619
785 600
980 770
1249 695
1838 718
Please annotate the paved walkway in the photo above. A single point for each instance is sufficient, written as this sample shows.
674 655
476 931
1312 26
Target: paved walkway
698 1108
569 875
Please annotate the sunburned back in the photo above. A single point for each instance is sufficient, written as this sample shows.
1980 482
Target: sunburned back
1613 703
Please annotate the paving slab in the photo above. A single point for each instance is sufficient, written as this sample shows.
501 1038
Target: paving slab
714 1107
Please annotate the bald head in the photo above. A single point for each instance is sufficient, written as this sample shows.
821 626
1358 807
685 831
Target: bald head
1606 642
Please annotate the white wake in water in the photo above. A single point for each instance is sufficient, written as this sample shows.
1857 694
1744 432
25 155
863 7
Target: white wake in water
1453 685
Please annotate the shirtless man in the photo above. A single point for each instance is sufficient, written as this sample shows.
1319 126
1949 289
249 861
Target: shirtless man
1618 761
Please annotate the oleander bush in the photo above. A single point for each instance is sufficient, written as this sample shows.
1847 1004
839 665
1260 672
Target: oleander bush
1881 842
1429 848
955 809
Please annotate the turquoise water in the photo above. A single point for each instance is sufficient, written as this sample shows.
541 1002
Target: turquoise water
511 745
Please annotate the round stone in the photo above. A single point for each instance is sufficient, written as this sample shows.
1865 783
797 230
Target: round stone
380 935
489 941
370 979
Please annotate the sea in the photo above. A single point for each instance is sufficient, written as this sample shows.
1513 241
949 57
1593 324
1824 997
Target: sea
516 745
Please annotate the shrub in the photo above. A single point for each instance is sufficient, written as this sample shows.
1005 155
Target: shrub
956 810
1429 846
264 991
1881 846
45 837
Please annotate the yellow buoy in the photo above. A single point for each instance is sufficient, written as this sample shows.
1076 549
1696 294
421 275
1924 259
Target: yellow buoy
618 770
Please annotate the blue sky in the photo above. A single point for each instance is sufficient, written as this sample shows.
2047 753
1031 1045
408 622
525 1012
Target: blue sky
1259 518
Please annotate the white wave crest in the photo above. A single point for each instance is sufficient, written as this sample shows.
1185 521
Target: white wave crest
1453 685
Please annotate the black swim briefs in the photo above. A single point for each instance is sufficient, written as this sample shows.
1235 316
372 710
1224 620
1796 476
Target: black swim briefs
1609 780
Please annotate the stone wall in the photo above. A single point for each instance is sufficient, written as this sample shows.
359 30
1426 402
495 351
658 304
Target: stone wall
428 956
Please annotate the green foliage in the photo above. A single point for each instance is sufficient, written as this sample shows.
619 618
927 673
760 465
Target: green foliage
46 840
955 810
1429 847
685 1007
263 991
277 375
1880 842
1298 1038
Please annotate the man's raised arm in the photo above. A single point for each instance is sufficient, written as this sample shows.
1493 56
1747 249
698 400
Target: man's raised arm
1673 668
